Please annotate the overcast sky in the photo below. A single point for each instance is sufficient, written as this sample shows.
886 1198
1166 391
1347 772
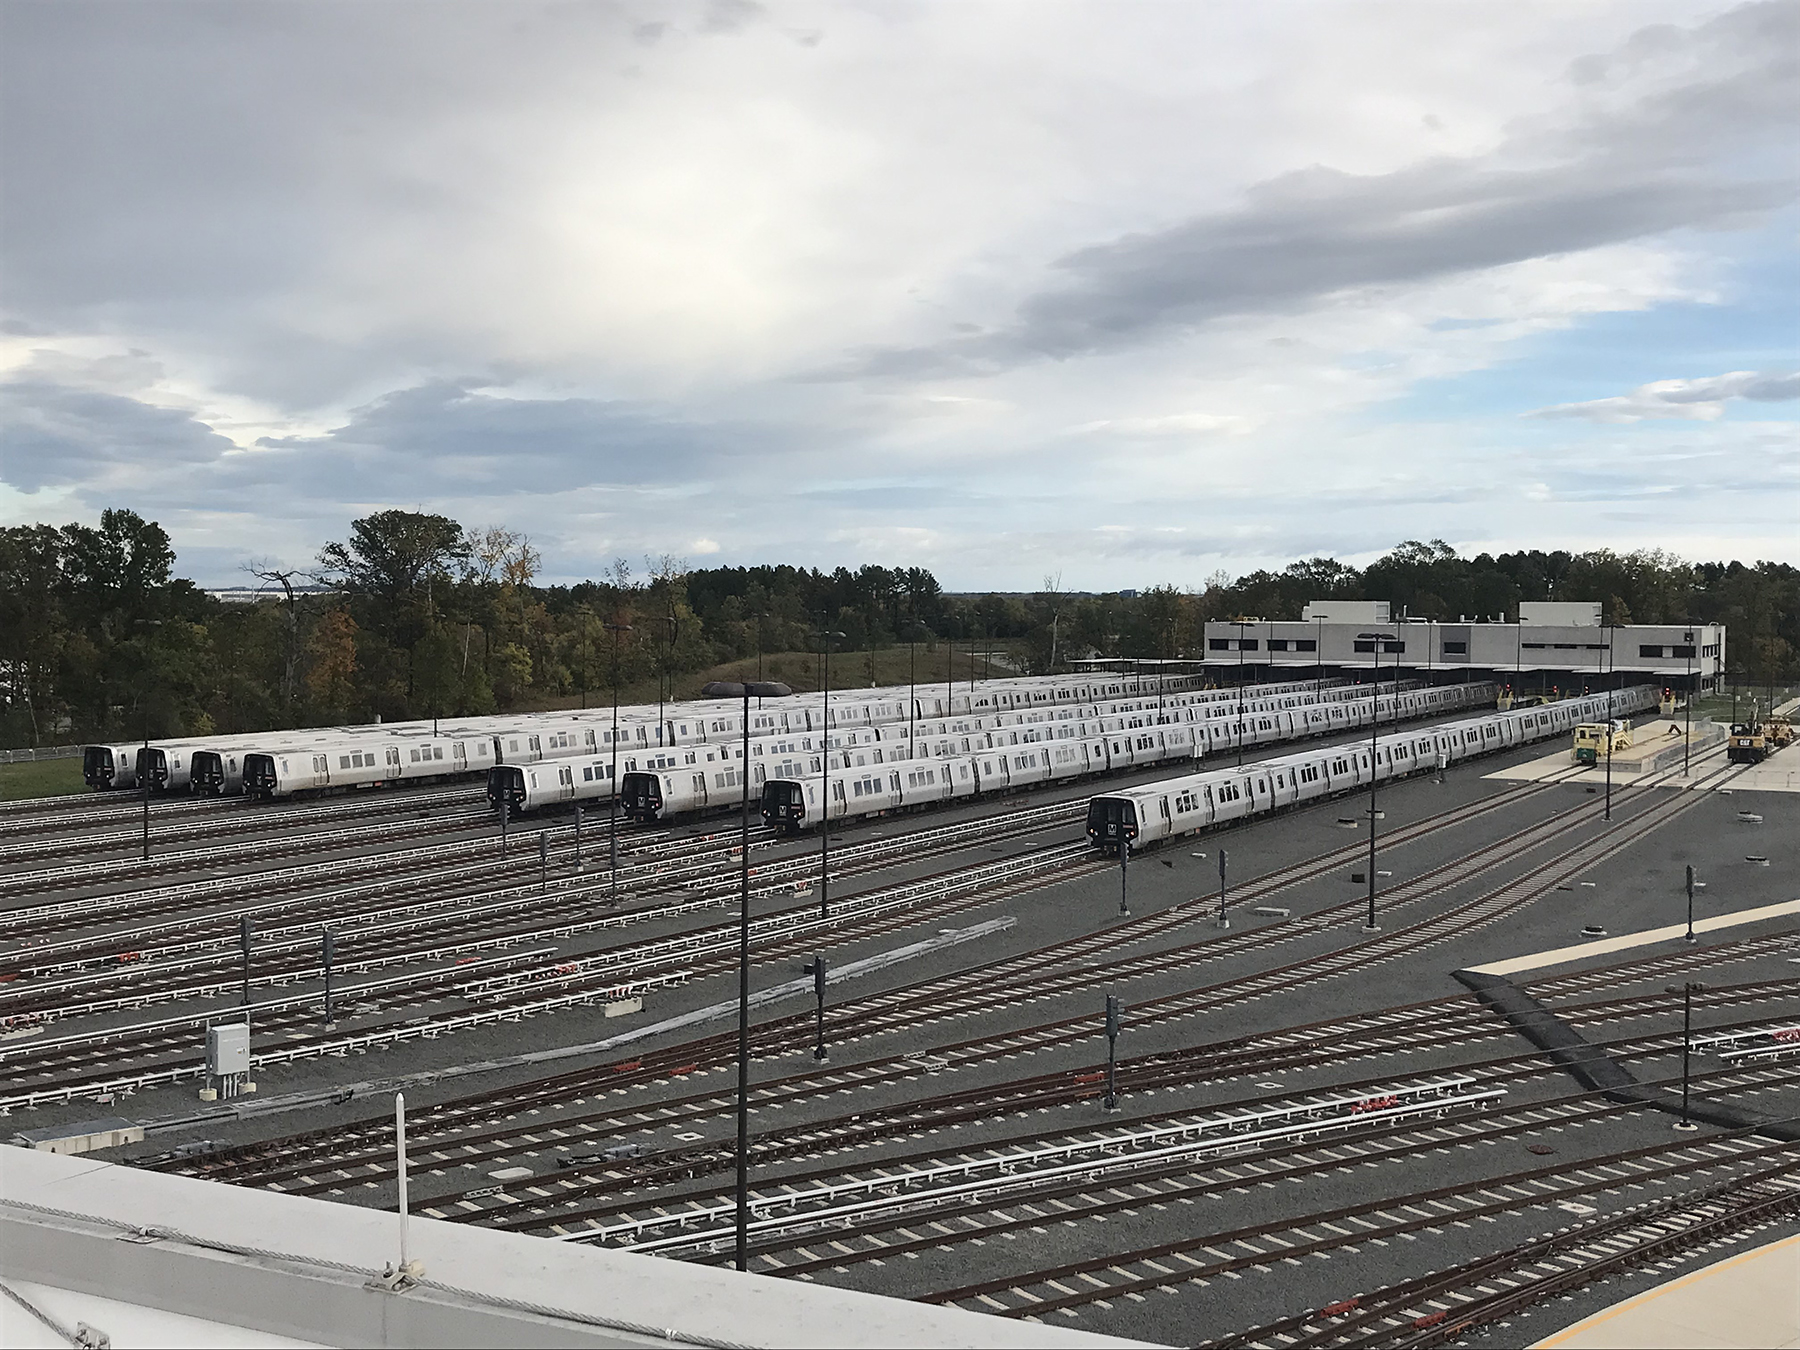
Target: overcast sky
1125 291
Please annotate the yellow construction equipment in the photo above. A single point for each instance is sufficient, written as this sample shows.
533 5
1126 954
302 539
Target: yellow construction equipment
1591 740
1753 742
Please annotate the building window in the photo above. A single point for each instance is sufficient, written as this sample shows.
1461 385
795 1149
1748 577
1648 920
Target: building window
1306 645
1533 646
1456 649
1218 644
1249 644
1682 653
1392 647
1364 646
1655 652
1278 644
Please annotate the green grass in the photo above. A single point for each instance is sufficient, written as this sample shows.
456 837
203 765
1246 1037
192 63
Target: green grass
42 778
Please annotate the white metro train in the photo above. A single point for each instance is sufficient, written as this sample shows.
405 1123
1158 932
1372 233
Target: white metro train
659 785
1149 814
214 765
1063 751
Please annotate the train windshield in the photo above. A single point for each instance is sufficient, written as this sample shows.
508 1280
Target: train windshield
259 772
781 794
505 782
640 790
97 764
1111 819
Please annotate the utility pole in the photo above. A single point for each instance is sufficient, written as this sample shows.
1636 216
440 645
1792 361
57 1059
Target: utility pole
816 969
1609 719
1112 1052
244 935
1369 925
612 811
1687 744
825 788
1687 990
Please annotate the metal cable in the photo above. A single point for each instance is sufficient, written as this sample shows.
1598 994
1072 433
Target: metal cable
40 1314
473 1295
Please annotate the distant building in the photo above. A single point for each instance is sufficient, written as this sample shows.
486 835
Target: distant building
1556 645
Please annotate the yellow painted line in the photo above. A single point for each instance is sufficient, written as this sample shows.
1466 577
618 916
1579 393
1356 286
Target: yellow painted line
1649 1296
1626 941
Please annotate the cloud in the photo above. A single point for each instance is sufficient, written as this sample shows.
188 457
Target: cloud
54 434
1701 400
1691 156
1112 290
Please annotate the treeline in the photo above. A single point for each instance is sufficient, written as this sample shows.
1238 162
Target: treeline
414 615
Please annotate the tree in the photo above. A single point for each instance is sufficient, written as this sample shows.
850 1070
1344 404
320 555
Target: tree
331 674
392 555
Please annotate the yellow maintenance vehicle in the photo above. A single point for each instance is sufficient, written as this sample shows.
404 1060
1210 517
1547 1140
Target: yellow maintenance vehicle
1753 742
1591 740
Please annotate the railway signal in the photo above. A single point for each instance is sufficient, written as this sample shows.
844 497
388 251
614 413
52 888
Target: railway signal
816 969
244 934
328 948
1113 1011
1689 937
1687 990
543 861
1224 919
578 840
1124 869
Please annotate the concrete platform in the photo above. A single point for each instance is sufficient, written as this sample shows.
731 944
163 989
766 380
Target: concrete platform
1745 1301
1780 772
1655 751
1587 951
302 1270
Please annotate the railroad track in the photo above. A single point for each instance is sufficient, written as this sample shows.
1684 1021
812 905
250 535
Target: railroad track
1449 1304
1065 1031
59 1069
242 822
1722 1160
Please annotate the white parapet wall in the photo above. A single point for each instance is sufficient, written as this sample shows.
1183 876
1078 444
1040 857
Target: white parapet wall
302 1268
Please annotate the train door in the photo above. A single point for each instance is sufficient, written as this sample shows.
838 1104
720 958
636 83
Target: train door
393 761
565 781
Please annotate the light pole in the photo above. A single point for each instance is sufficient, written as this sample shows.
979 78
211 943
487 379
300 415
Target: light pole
1686 989
755 689
1689 937
912 680
1369 925
612 815
1687 744
1319 656
825 788
1224 919
144 758
1609 719
1240 717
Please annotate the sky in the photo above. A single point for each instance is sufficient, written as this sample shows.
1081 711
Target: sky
1119 293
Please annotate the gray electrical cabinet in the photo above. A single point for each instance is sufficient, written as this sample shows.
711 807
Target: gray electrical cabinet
227 1049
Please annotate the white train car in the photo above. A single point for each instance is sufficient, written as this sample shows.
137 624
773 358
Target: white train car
106 767
336 764
1147 815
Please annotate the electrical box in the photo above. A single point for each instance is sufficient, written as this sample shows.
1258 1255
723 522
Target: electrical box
227 1049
